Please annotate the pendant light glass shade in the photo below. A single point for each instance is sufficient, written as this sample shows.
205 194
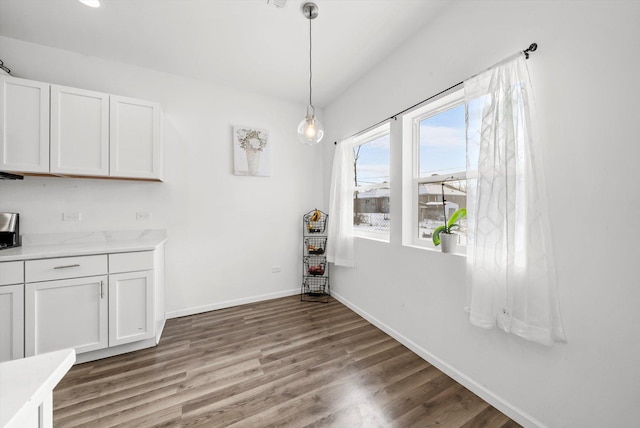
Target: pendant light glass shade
310 130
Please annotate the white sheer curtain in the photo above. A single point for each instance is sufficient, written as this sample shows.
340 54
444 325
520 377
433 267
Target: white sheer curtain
340 230
510 267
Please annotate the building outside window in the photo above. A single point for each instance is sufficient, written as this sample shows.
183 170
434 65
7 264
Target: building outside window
371 195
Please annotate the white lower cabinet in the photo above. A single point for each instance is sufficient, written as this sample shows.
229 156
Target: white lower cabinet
130 307
11 322
69 313
11 310
100 305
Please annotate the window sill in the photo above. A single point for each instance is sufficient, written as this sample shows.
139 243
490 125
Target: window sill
462 251
372 238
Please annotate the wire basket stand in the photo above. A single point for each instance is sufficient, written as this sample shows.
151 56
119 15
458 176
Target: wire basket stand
315 269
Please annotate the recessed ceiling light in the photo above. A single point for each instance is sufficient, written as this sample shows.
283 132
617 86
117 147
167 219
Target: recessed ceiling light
90 3
278 3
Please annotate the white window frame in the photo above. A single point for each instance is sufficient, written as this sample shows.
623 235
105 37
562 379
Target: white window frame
358 140
411 165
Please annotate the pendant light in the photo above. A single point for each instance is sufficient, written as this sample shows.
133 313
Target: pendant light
310 130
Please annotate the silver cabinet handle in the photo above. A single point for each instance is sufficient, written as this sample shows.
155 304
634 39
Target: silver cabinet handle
66 266
102 289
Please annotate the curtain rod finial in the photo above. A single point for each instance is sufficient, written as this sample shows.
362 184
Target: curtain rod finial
532 48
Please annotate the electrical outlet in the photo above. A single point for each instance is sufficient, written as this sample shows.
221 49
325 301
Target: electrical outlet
71 216
275 269
143 215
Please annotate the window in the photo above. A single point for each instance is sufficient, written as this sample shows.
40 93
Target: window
435 139
371 154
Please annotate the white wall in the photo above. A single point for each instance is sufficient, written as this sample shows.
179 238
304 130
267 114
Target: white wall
225 231
585 81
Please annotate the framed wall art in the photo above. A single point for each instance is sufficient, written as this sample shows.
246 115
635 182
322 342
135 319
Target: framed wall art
251 151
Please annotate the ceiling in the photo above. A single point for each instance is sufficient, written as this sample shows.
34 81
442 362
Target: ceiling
243 43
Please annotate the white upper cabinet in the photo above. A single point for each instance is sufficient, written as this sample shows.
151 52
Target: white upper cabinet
56 130
136 145
24 125
79 132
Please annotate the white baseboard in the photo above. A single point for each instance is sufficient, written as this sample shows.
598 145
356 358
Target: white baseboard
505 407
115 350
230 303
160 329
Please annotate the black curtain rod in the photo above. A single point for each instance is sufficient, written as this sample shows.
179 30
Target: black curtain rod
532 48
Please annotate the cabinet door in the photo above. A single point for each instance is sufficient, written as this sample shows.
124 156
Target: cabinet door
11 322
79 132
70 313
130 307
135 139
24 125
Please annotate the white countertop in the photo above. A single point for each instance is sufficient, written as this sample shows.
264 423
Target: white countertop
42 246
25 382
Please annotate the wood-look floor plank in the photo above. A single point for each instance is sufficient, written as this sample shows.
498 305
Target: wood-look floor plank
276 363
488 418
246 403
97 409
355 389
102 395
168 417
454 406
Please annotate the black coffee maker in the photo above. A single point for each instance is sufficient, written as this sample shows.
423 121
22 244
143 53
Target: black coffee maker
9 230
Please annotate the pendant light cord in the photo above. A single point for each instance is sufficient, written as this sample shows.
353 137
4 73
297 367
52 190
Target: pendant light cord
310 72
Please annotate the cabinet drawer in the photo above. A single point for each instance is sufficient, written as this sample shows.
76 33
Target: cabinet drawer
11 273
130 262
65 267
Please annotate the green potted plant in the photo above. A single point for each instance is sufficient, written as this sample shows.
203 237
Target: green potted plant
443 234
